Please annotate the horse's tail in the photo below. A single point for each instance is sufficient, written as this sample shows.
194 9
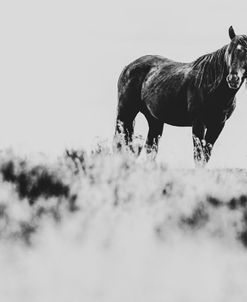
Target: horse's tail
129 95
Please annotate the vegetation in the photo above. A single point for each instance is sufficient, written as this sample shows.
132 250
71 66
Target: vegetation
91 217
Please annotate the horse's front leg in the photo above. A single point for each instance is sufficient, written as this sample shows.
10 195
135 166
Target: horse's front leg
198 133
204 140
212 133
202 151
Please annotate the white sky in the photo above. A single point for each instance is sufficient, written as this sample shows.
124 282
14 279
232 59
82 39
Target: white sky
60 61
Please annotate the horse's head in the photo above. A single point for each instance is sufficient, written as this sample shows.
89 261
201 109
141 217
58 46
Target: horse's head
236 59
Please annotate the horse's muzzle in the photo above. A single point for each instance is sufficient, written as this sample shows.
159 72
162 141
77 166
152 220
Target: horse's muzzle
233 81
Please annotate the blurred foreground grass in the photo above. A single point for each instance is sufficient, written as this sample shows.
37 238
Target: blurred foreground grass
102 227
81 186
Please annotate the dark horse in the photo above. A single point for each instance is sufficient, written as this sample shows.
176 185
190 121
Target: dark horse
200 94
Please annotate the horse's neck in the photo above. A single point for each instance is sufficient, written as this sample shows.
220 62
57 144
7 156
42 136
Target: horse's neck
210 70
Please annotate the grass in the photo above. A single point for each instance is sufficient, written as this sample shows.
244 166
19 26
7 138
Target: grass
95 219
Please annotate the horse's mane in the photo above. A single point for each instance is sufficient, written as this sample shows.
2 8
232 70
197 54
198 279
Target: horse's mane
240 39
209 69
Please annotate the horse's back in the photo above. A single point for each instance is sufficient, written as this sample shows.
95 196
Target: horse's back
156 83
138 69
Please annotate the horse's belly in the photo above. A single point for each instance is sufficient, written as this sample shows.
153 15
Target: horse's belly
184 121
176 118
166 96
172 111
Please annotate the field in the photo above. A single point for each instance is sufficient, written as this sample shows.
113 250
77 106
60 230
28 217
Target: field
102 227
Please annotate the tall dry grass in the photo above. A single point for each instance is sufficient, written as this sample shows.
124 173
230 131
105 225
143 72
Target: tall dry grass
98 226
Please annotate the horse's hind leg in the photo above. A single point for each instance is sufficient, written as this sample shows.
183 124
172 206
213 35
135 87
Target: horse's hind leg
154 134
124 133
125 126
129 102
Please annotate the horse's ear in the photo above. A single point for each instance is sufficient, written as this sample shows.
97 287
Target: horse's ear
231 32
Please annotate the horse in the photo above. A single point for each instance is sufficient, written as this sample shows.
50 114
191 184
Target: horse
200 94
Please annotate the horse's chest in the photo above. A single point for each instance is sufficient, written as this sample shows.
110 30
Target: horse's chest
218 112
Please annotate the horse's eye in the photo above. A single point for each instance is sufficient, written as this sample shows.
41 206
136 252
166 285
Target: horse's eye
241 53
